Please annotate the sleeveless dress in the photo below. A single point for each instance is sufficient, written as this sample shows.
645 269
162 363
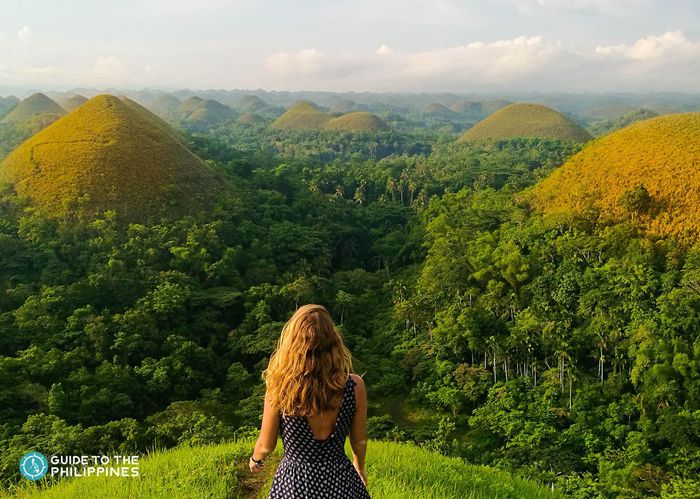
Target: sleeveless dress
311 468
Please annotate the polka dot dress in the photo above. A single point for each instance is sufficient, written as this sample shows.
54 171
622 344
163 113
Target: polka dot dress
318 469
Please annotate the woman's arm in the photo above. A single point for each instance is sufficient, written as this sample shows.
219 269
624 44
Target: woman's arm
358 432
267 441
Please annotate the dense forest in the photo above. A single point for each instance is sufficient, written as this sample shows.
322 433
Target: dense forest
564 350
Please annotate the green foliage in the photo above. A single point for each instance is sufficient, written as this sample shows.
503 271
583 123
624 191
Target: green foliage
606 126
564 350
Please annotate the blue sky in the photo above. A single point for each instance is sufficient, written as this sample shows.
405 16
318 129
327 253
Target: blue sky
375 45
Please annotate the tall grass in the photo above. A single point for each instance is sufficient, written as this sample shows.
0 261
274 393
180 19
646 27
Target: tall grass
394 470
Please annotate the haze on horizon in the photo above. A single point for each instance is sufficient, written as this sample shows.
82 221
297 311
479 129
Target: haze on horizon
358 45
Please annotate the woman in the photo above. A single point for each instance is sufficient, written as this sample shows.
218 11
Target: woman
314 401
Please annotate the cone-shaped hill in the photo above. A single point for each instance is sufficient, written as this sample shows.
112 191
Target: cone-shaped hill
110 153
493 105
72 103
438 110
466 107
252 104
526 120
360 121
189 106
35 108
7 104
196 111
345 106
648 171
303 115
210 112
164 106
250 119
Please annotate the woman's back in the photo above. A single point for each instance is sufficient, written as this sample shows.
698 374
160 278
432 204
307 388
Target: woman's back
318 468
314 402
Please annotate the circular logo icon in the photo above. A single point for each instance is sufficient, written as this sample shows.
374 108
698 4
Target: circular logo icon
33 466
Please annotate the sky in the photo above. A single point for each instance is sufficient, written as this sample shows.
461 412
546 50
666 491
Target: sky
352 45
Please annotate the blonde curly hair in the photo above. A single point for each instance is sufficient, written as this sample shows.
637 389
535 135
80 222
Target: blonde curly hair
308 370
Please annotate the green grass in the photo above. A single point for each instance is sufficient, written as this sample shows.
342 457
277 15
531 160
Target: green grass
7 104
110 153
32 106
73 102
305 115
358 121
252 104
302 115
526 120
394 471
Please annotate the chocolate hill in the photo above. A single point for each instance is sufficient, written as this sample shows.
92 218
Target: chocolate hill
649 170
110 154
526 120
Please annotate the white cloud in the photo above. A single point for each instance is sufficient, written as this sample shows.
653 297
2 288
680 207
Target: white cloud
24 33
485 61
111 71
669 61
304 62
671 44
479 63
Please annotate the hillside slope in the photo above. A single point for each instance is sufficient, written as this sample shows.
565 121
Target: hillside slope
7 104
526 120
660 155
394 471
303 115
359 121
33 106
73 102
110 153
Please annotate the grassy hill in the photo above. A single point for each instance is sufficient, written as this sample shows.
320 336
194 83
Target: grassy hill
439 110
660 155
196 111
111 153
492 105
210 112
344 106
250 119
466 107
188 106
7 104
394 471
357 122
32 107
526 120
252 104
164 106
74 102
303 115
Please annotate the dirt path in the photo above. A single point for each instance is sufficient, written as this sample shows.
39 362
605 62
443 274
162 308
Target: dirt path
252 485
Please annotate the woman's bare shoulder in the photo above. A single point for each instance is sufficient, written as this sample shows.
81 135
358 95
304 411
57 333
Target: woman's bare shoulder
359 382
